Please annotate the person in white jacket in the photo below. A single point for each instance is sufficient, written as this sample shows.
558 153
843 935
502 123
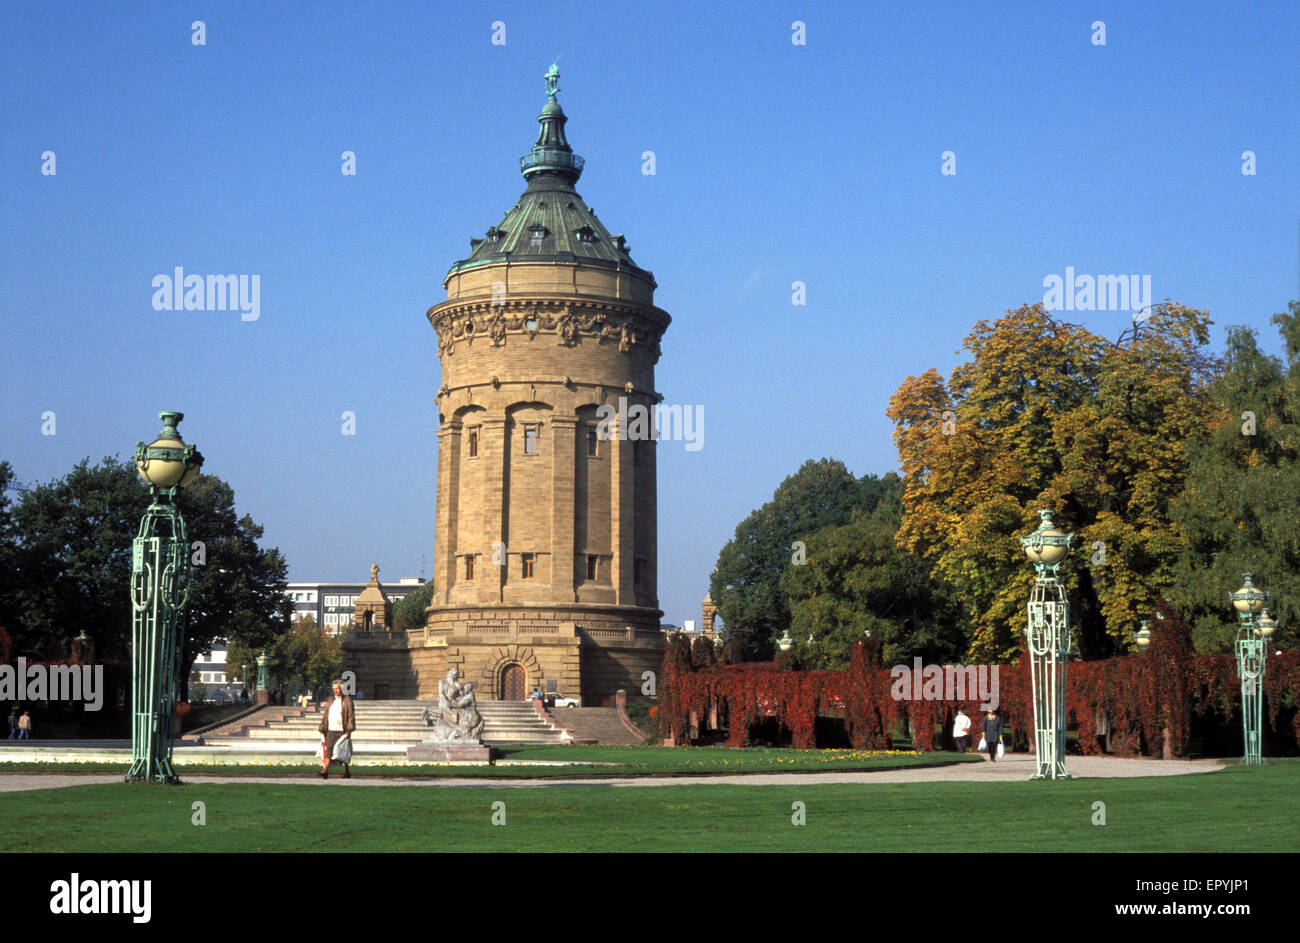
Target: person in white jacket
961 731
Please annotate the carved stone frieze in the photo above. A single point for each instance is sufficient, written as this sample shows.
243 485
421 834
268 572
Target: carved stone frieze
570 325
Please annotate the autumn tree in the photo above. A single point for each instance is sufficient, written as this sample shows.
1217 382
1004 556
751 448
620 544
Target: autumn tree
1046 414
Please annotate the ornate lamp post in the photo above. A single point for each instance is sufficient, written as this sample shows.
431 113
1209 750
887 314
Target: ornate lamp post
160 570
263 696
1252 652
1048 632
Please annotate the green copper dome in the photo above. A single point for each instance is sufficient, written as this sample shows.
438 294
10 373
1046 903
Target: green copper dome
550 223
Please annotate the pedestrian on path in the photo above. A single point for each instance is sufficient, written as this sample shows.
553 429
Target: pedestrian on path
992 732
961 731
25 726
13 723
338 720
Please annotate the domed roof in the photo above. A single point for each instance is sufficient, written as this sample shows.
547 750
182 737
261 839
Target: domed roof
550 223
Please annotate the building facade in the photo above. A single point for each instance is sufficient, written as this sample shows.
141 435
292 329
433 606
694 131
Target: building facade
545 534
333 605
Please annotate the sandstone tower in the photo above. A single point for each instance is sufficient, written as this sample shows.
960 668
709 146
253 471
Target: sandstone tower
546 521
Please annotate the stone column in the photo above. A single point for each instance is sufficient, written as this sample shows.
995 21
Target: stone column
647 537
564 435
494 454
622 514
444 548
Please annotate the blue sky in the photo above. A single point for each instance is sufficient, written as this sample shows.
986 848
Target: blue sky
775 163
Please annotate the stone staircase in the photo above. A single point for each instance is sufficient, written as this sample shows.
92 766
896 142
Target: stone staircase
400 723
598 724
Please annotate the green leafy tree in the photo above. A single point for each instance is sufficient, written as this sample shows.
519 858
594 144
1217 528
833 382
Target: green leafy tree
857 580
8 548
745 585
239 654
1238 512
306 658
238 590
409 612
73 565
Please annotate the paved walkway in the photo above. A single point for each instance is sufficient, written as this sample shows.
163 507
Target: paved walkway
1011 769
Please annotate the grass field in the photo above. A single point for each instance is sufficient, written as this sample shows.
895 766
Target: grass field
1231 810
631 761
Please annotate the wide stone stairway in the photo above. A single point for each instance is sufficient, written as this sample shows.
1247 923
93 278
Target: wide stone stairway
399 723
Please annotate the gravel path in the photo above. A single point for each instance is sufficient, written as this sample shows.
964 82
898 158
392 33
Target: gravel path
1011 769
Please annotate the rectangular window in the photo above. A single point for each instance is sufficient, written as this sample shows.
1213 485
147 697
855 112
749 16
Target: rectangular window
528 564
473 443
469 566
530 440
591 443
331 600
591 565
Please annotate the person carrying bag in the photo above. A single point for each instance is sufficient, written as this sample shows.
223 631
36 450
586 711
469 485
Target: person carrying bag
991 736
338 720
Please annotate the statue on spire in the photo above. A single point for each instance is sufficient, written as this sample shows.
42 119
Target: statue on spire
553 79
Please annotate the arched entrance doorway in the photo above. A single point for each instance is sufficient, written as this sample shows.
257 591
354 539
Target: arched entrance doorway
514 682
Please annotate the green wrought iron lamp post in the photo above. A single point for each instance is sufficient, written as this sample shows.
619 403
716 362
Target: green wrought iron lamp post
263 695
1048 632
1254 630
160 585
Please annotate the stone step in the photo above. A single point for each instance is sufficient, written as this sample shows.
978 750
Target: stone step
403 722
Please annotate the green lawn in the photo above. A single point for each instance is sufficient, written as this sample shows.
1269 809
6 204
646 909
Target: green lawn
1231 810
631 761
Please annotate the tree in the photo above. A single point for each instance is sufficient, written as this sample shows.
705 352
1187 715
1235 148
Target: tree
745 584
8 547
73 561
237 591
1237 513
409 612
238 655
307 657
73 565
1048 415
858 580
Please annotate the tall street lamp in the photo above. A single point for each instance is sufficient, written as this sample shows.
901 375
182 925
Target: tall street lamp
160 587
1254 630
1048 632
263 695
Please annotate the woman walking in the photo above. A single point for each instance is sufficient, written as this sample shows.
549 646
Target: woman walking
338 720
992 732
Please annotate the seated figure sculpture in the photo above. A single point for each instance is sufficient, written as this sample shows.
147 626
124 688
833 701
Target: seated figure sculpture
457 719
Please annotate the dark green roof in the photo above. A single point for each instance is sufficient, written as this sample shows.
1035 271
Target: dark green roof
550 222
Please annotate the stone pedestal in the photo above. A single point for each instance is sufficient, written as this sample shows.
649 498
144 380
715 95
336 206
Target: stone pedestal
430 752
263 698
